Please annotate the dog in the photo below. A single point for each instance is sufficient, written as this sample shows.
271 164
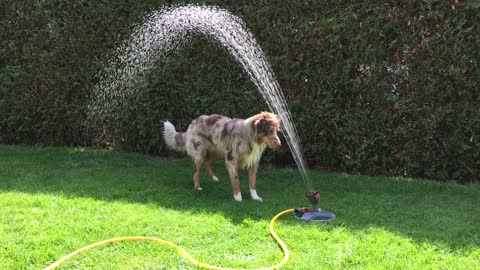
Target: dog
240 142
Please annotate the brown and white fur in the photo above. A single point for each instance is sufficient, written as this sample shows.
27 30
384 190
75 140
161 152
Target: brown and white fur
240 142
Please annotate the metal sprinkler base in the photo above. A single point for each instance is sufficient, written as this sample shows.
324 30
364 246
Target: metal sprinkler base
317 216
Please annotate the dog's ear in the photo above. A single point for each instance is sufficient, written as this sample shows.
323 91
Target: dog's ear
261 125
278 123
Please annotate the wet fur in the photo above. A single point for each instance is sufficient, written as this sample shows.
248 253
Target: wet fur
240 142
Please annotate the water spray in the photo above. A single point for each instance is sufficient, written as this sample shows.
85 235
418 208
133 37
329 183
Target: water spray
164 31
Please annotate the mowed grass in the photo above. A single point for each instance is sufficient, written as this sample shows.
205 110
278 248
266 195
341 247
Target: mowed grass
56 200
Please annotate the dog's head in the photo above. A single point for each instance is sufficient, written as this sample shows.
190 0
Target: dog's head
267 125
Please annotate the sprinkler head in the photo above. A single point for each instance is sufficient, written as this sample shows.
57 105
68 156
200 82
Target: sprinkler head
313 196
313 213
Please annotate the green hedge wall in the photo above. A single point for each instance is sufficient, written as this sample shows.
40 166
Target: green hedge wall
374 87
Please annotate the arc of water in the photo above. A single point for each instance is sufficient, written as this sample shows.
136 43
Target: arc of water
164 31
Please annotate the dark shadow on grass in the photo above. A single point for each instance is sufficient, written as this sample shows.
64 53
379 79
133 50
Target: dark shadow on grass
420 210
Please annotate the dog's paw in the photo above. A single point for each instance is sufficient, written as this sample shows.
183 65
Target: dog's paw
237 197
256 198
215 178
254 195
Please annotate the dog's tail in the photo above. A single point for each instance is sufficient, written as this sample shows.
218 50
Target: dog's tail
175 140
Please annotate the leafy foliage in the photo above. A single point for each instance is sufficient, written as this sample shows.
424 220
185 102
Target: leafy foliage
375 87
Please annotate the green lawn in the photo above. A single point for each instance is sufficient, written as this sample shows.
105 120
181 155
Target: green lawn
56 200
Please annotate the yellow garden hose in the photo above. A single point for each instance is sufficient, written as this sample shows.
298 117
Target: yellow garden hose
182 251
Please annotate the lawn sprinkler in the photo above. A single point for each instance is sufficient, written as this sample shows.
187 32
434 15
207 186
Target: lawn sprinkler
313 213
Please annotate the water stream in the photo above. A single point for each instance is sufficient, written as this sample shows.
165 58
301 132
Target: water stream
167 29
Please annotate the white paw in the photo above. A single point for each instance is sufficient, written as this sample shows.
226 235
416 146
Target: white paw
215 178
238 197
198 188
255 196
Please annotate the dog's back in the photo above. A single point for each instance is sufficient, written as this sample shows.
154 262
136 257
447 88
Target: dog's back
216 137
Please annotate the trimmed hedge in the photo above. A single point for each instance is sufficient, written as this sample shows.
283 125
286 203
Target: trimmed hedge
374 87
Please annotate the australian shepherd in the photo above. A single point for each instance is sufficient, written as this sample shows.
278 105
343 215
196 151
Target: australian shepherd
240 142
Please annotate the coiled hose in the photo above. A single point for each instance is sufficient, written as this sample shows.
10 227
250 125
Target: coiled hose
180 250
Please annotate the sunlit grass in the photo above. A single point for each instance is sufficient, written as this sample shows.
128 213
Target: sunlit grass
56 200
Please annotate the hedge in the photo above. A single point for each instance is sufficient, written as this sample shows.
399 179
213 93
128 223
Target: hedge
374 87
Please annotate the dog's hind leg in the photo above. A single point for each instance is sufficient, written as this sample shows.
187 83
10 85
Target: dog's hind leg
196 150
196 174
210 173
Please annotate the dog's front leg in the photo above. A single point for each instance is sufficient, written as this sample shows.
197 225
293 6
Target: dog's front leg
232 171
252 182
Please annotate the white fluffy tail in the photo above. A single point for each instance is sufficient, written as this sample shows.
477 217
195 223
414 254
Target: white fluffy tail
175 140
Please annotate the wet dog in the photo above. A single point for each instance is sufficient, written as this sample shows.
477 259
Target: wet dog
240 142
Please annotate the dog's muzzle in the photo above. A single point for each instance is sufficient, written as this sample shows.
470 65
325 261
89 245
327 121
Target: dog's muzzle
274 144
